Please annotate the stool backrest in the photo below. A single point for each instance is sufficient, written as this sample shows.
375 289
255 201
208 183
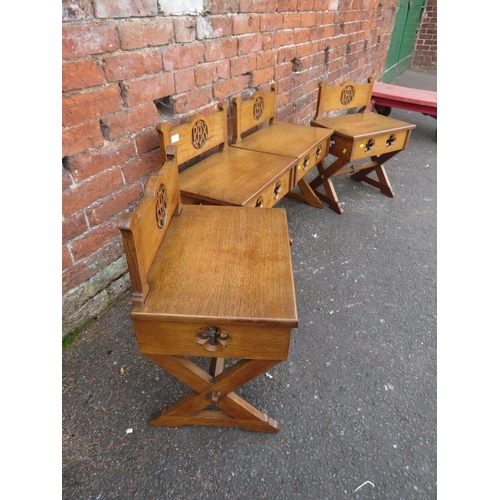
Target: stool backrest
143 230
260 107
199 135
349 95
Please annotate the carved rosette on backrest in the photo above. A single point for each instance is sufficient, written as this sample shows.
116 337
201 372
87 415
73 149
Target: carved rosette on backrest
199 134
258 108
347 95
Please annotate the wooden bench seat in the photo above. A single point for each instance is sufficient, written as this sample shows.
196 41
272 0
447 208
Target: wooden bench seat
362 141
255 128
224 175
209 282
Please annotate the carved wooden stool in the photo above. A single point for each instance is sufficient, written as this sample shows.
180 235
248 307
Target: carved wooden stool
358 136
209 281
255 128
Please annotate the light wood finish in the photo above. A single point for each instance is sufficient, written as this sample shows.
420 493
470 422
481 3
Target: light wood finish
255 131
213 282
357 137
223 175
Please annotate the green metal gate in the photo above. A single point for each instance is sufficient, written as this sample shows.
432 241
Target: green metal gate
403 38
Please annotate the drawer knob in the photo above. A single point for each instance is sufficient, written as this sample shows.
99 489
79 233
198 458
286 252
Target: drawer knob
277 190
390 142
370 144
212 338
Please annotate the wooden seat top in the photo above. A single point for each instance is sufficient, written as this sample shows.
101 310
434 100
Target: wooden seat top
283 138
235 182
223 265
359 125
404 94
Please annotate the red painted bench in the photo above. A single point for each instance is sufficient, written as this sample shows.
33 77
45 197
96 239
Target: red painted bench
386 96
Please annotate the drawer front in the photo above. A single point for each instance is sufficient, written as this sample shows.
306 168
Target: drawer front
379 144
212 340
271 194
308 161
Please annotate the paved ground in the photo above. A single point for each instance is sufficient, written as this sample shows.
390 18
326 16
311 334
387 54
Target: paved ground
356 400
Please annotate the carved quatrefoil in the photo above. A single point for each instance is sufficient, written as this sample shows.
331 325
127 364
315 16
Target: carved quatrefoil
258 108
370 144
347 95
199 134
161 206
390 142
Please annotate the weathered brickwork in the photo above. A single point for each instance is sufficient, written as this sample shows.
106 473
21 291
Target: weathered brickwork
128 65
424 56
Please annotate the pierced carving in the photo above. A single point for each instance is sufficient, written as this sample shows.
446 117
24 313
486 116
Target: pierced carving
318 152
212 338
306 162
199 134
390 142
260 202
161 206
277 190
369 145
347 95
258 108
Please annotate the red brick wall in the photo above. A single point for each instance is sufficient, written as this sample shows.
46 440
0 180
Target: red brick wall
119 56
424 56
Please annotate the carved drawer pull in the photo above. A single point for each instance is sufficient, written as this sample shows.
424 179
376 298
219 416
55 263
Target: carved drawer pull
260 202
212 338
370 144
277 190
390 142
306 162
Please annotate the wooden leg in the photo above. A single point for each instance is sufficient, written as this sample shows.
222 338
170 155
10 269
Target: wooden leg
307 194
323 179
382 181
217 390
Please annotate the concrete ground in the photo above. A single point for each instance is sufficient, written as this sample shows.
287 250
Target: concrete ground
356 399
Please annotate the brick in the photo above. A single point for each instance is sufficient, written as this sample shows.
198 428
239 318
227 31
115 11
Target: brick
146 141
114 204
86 193
220 49
77 10
66 258
268 41
213 27
81 108
221 6
81 74
184 29
291 20
271 22
195 99
286 54
84 40
243 24
184 80
125 8
267 58
112 154
242 65
253 5
183 56
81 271
129 121
300 36
80 138
141 34
128 66
95 239
211 72
143 166
148 89
67 181
308 19
73 226
259 77
230 87
250 43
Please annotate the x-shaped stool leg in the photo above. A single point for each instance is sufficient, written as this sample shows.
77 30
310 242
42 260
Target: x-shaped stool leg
218 390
